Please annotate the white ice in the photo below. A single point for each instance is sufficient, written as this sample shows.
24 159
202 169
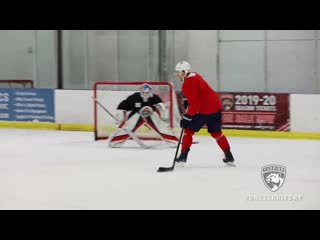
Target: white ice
68 170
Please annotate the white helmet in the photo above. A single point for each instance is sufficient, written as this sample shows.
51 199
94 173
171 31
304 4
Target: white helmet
183 66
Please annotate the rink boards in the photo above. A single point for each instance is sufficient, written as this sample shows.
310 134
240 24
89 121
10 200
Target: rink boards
202 132
74 112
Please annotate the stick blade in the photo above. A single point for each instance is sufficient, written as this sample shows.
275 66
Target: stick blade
165 169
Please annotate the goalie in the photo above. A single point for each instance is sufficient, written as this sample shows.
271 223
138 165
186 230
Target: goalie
143 108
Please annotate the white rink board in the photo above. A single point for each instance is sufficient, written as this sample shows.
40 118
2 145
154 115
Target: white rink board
76 107
67 170
305 112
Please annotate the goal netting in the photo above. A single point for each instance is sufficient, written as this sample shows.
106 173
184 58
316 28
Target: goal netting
108 95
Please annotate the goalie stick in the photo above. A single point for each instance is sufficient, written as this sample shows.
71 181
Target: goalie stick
103 107
130 133
167 169
150 126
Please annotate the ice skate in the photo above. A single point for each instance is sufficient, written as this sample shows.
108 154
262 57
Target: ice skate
228 159
182 159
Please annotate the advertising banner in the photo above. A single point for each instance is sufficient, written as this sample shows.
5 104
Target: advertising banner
255 111
27 105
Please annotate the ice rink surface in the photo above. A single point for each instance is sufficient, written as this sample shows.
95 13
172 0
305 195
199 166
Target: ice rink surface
68 170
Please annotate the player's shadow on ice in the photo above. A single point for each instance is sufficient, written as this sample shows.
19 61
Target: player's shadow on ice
202 166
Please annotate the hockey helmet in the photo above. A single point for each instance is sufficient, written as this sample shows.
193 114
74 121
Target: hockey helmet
183 66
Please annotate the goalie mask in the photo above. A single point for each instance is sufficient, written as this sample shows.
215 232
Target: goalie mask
145 92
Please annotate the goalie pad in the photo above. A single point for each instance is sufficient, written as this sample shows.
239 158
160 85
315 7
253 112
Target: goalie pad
120 116
135 122
161 127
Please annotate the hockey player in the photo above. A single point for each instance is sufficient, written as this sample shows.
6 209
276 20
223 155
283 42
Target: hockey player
204 107
139 109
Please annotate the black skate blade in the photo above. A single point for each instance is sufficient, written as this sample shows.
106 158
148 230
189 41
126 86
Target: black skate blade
165 169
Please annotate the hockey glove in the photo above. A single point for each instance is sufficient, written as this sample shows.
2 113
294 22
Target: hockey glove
185 121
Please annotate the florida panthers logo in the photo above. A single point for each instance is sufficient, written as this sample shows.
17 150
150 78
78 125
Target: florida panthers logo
227 101
273 176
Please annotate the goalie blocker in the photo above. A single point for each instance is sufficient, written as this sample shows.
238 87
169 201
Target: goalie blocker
141 109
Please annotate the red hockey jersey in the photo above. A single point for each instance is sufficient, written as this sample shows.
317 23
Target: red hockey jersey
201 97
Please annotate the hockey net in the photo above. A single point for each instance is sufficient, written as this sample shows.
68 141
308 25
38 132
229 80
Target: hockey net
108 95
16 84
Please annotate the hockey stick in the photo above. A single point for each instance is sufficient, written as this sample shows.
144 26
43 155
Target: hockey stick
104 108
167 169
130 133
